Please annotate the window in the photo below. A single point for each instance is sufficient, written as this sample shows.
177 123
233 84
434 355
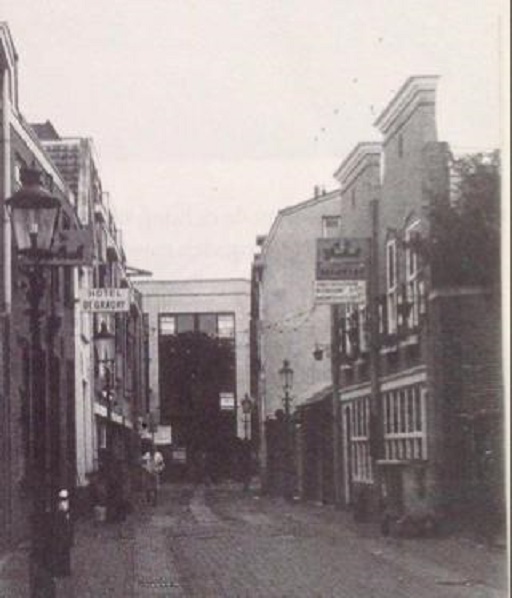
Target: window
226 326
185 323
404 423
414 286
167 325
363 329
215 325
360 459
208 324
18 165
101 274
351 331
392 285
391 252
383 315
331 227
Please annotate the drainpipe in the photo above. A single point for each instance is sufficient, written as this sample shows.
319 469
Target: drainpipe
7 190
5 313
335 365
376 423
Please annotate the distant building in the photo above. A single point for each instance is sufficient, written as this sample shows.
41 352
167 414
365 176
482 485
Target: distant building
198 370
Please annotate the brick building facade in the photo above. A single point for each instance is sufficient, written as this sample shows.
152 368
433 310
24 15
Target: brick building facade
420 402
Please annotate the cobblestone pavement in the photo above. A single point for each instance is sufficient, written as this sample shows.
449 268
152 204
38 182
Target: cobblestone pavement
221 542
225 543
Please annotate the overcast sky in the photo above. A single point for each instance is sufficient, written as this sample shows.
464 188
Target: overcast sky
210 116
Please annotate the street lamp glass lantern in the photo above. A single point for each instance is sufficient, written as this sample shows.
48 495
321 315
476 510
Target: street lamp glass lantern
286 375
34 214
104 341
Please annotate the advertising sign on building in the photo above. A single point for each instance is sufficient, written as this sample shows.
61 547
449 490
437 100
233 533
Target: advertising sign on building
105 300
340 291
341 270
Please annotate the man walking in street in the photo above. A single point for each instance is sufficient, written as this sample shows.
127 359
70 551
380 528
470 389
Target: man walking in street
153 465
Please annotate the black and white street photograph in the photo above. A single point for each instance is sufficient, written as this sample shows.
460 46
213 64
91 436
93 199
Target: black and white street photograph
254 299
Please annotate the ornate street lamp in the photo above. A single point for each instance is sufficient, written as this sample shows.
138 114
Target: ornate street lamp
246 410
34 215
104 342
286 375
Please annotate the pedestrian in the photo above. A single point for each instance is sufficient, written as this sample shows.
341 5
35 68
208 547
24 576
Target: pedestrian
153 465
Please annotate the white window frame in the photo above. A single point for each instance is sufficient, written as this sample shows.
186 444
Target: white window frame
392 285
413 287
350 310
364 344
225 331
360 458
167 325
403 409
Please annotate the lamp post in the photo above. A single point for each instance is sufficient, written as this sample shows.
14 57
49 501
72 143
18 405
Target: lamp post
246 446
246 410
34 215
286 375
104 342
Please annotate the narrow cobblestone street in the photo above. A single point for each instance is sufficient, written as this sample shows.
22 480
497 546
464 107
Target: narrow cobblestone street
219 541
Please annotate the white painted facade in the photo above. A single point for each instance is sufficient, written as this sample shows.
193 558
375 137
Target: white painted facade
291 324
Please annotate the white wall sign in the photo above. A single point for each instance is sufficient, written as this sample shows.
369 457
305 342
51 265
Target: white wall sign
105 300
163 435
340 291
227 401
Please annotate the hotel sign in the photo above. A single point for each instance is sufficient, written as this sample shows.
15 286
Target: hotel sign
105 300
341 270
